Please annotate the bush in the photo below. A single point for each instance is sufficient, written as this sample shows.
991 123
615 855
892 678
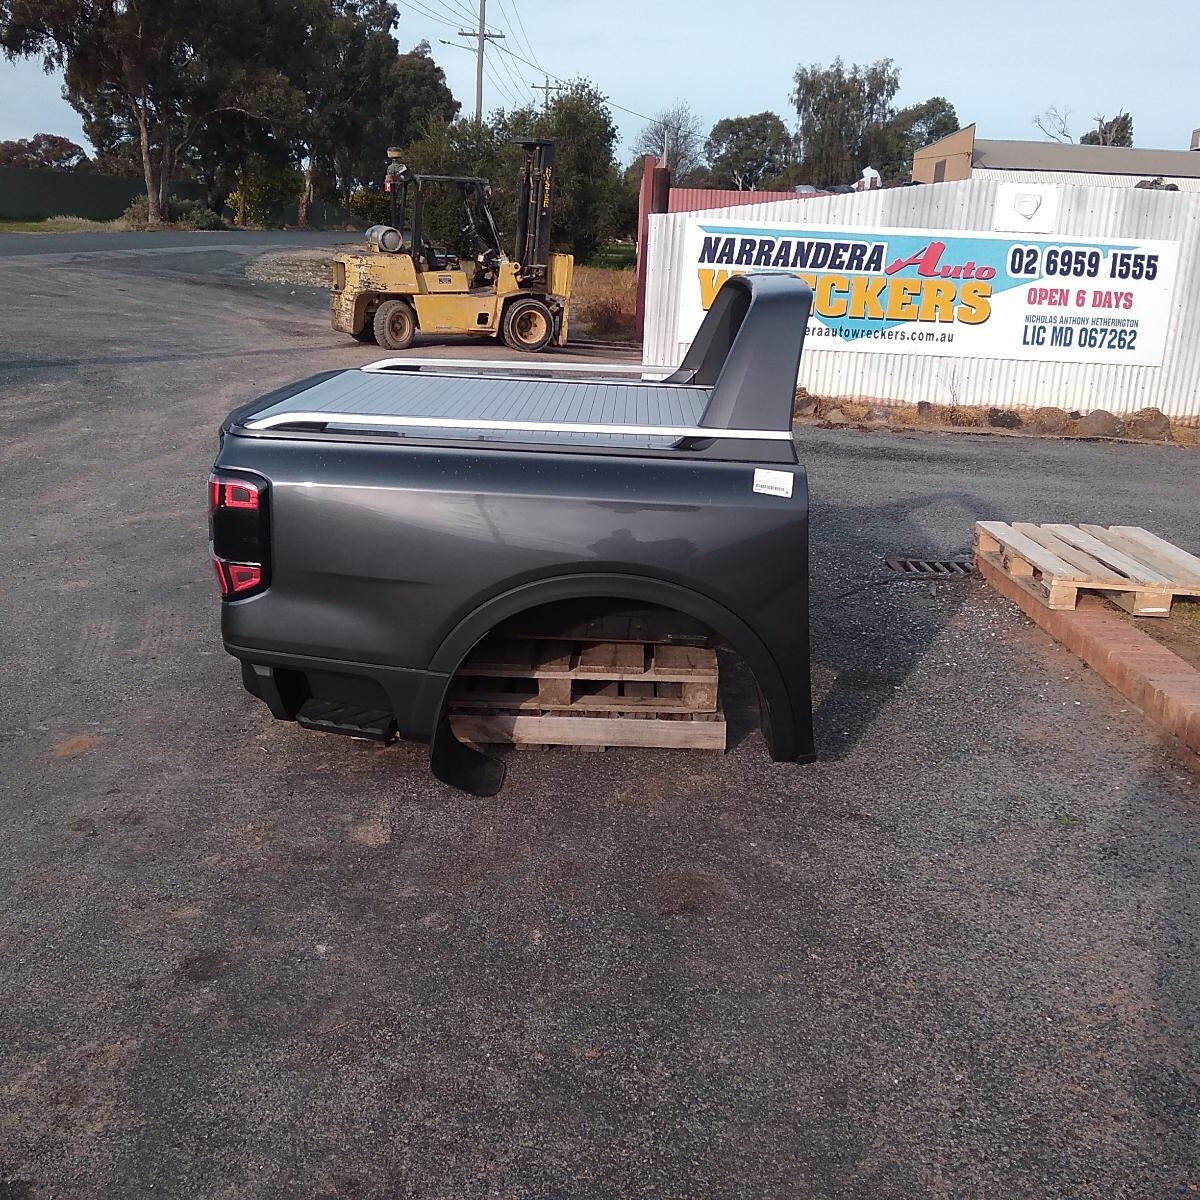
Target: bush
603 301
191 214
195 214
370 206
137 215
271 193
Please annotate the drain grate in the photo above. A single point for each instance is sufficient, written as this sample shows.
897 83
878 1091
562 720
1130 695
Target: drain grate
932 568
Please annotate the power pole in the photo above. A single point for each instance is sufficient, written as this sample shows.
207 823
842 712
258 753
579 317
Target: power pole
481 37
546 88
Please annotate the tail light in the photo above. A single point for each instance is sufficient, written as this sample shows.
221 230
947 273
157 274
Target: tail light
239 532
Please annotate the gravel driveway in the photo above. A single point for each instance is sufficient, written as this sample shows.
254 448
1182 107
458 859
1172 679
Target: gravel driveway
955 958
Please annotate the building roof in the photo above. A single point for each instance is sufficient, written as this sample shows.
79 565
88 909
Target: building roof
1098 160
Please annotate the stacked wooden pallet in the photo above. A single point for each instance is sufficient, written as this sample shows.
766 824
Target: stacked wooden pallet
1138 570
595 694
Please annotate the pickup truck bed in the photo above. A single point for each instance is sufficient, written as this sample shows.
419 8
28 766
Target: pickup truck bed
371 526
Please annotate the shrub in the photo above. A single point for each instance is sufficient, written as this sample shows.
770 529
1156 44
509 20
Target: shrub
271 193
605 316
137 215
370 206
191 214
603 301
195 214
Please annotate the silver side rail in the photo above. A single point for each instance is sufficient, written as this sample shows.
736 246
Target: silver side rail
384 365
372 421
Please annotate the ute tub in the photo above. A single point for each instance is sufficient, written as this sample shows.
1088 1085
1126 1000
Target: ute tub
417 504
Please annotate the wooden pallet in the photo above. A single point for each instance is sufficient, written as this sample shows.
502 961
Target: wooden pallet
531 691
1139 571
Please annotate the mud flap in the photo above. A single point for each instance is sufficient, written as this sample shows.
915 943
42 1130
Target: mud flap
460 766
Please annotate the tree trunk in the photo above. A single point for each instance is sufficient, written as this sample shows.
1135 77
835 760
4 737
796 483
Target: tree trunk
166 169
241 195
213 191
153 213
306 195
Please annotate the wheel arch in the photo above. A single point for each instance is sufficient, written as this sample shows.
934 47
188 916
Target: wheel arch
778 715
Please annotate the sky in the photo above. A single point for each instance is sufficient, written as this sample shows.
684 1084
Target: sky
998 64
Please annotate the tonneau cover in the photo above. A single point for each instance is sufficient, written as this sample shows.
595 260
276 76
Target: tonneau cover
432 393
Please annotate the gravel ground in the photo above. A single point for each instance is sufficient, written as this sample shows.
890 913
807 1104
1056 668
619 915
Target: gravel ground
955 958
292 268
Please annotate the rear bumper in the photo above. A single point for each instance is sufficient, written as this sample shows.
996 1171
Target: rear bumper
285 682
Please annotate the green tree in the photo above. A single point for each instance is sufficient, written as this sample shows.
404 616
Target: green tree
892 146
361 96
1110 131
414 93
47 150
589 181
588 202
155 69
841 112
743 152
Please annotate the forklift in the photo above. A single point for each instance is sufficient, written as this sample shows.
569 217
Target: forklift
400 282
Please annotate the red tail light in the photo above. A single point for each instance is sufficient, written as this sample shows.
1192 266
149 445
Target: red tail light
239 527
239 495
244 577
237 579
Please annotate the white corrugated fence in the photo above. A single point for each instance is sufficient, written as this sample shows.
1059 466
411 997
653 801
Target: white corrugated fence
1083 212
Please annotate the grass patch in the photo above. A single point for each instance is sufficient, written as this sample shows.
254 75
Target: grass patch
65 225
615 256
603 301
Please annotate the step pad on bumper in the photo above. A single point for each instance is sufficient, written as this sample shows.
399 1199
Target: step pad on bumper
330 717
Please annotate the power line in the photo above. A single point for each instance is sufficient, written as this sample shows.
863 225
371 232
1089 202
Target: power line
484 37
497 83
524 35
426 13
566 83
502 88
518 80
521 27
457 9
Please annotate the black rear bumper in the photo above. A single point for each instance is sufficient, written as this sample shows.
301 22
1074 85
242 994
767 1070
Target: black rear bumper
286 682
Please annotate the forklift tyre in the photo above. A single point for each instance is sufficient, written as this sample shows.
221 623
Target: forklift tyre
395 325
528 325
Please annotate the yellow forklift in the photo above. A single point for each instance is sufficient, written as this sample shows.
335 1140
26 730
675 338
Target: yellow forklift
400 283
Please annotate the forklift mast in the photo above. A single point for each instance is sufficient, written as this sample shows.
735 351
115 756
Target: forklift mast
533 210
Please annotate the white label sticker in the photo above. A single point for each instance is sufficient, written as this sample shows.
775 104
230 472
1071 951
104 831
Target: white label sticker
773 483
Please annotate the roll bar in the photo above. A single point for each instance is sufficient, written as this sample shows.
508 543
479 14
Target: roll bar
748 350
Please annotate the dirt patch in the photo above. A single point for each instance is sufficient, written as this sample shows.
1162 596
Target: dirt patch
75 746
1179 632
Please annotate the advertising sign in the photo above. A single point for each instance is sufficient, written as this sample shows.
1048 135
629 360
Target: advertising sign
955 294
